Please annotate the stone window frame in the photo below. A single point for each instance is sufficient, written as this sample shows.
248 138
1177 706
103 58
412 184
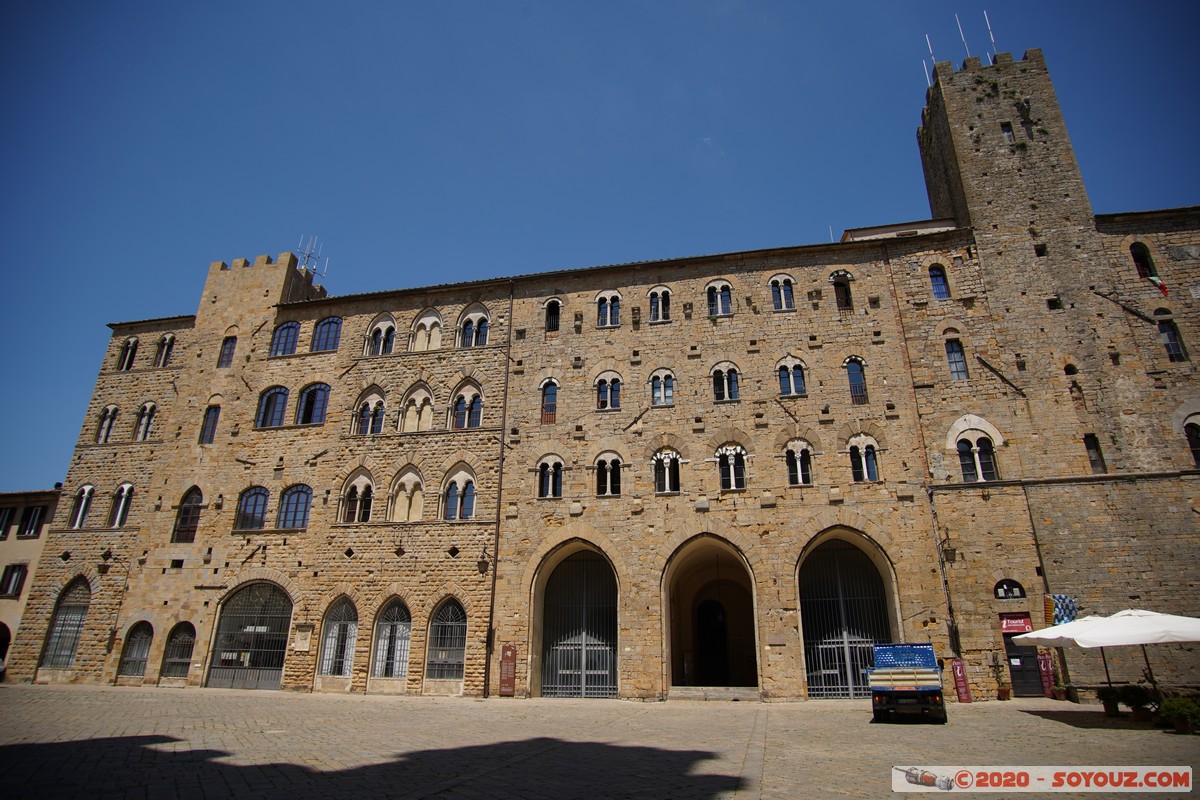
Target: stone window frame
663 374
864 452
284 339
970 428
381 336
783 292
726 380
791 363
718 298
659 311
409 481
550 476
127 356
603 384
461 479
421 334
327 335
608 309
474 326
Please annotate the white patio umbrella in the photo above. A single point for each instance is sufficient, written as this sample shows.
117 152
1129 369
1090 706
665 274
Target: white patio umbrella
1064 635
1134 626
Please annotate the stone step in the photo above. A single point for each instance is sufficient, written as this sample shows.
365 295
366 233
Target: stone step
746 694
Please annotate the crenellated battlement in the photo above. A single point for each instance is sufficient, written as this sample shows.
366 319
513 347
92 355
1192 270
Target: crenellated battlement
972 66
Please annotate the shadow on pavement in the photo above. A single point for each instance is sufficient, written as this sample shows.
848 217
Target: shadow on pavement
1090 719
149 766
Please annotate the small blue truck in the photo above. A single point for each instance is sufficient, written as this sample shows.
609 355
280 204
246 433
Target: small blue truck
906 682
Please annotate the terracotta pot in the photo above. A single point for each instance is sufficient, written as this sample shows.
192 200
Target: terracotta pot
1060 694
1003 693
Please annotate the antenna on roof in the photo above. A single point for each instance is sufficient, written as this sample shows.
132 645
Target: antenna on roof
928 82
831 233
930 46
960 35
990 35
310 254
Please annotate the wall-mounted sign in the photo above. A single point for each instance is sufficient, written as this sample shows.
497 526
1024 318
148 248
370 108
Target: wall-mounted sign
508 670
1015 622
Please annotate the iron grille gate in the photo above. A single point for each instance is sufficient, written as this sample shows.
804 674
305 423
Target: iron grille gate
251 639
579 639
844 613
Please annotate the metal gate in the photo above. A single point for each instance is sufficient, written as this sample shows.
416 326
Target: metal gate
579 629
843 610
251 639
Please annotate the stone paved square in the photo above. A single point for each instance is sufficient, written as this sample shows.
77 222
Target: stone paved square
118 742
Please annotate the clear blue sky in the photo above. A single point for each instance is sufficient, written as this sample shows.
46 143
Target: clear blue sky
432 141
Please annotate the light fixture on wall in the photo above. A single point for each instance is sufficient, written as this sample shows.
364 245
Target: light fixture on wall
482 563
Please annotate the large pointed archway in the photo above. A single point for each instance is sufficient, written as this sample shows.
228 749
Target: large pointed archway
251 641
710 609
845 609
578 627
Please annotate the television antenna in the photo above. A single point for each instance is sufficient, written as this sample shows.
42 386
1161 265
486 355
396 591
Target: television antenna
310 254
990 34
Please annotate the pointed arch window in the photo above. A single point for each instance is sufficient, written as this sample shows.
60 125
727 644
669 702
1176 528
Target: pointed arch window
108 419
252 510
337 639
187 520
284 339
370 417
459 501
66 627
358 503
293 507
382 340
447 642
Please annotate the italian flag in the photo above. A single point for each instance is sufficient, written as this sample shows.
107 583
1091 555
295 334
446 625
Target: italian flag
1157 281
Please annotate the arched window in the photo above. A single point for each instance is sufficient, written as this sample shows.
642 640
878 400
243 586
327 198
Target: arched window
481 332
841 290
393 633
937 282
1091 443
187 520
799 464
553 315
549 402
271 407
79 511
314 400
608 310
327 335
284 339
458 498
108 418
447 642
550 478
127 355
782 297
337 638
381 338
408 496
177 655
864 465
662 389
468 410
725 383
608 475
856 374
666 472
357 507
731 461
720 299
293 507
166 346
66 626
474 328
1008 589
608 391
370 415
1142 260
791 378
426 332
208 428
119 511
1168 334
957 360
136 651
225 357
1192 432
252 510
660 304
977 458
418 410
145 419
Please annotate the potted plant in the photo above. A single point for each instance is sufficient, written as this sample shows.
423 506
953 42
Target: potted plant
1138 698
1059 690
1182 712
1109 697
1003 691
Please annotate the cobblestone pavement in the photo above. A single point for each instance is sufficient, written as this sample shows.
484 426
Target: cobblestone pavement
113 742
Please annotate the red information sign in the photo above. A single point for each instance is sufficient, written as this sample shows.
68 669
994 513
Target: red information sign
1015 622
1046 670
508 670
960 680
